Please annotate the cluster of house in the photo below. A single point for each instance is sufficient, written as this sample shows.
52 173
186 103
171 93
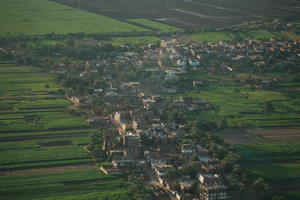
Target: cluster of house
209 180
174 53
134 112
129 155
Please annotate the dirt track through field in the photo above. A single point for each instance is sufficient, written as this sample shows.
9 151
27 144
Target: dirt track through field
46 169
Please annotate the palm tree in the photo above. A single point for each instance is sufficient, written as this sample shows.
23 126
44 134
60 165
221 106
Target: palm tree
29 91
46 88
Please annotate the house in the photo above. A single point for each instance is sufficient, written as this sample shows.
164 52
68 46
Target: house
194 63
181 63
116 154
78 101
132 145
185 183
124 164
112 97
201 151
160 171
188 150
212 187
197 83
123 120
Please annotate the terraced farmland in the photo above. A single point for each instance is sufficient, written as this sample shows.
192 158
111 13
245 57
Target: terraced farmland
42 143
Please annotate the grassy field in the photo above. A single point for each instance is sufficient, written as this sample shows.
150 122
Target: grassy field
262 34
155 25
35 17
242 105
259 34
134 40
278 163
71 185
45 158
212 36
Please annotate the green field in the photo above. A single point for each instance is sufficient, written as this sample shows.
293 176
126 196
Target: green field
39 132
85 184
155 25
134 40
212 36
262 34
278 163
36 17
240 104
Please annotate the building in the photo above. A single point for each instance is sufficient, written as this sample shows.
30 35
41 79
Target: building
185 183
181 63
212 187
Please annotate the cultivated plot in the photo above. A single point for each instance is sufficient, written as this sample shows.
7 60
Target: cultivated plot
36 17
190 13
42 144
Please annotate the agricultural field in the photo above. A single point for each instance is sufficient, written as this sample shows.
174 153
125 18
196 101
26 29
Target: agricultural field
262 34
117 41
212 36
155 25
242 105
36 17
291 35
278 163
190 13
42 143
69 185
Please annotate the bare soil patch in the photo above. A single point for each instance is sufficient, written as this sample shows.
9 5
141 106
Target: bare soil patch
280 134
46 169
261 135
240 136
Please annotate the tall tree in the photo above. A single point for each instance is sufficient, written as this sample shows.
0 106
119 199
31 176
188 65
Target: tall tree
260 187
46 88
269 108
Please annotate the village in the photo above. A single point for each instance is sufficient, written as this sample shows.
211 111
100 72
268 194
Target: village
144 131
150 100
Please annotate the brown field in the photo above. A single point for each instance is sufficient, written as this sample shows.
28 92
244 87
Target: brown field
190 13
261 135
46 169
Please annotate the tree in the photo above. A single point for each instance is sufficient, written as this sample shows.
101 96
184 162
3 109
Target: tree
229 163
172 174
96 144
29 91
269 108
138 192
223 123
190 169
260 187
277 197
106 197
46 88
